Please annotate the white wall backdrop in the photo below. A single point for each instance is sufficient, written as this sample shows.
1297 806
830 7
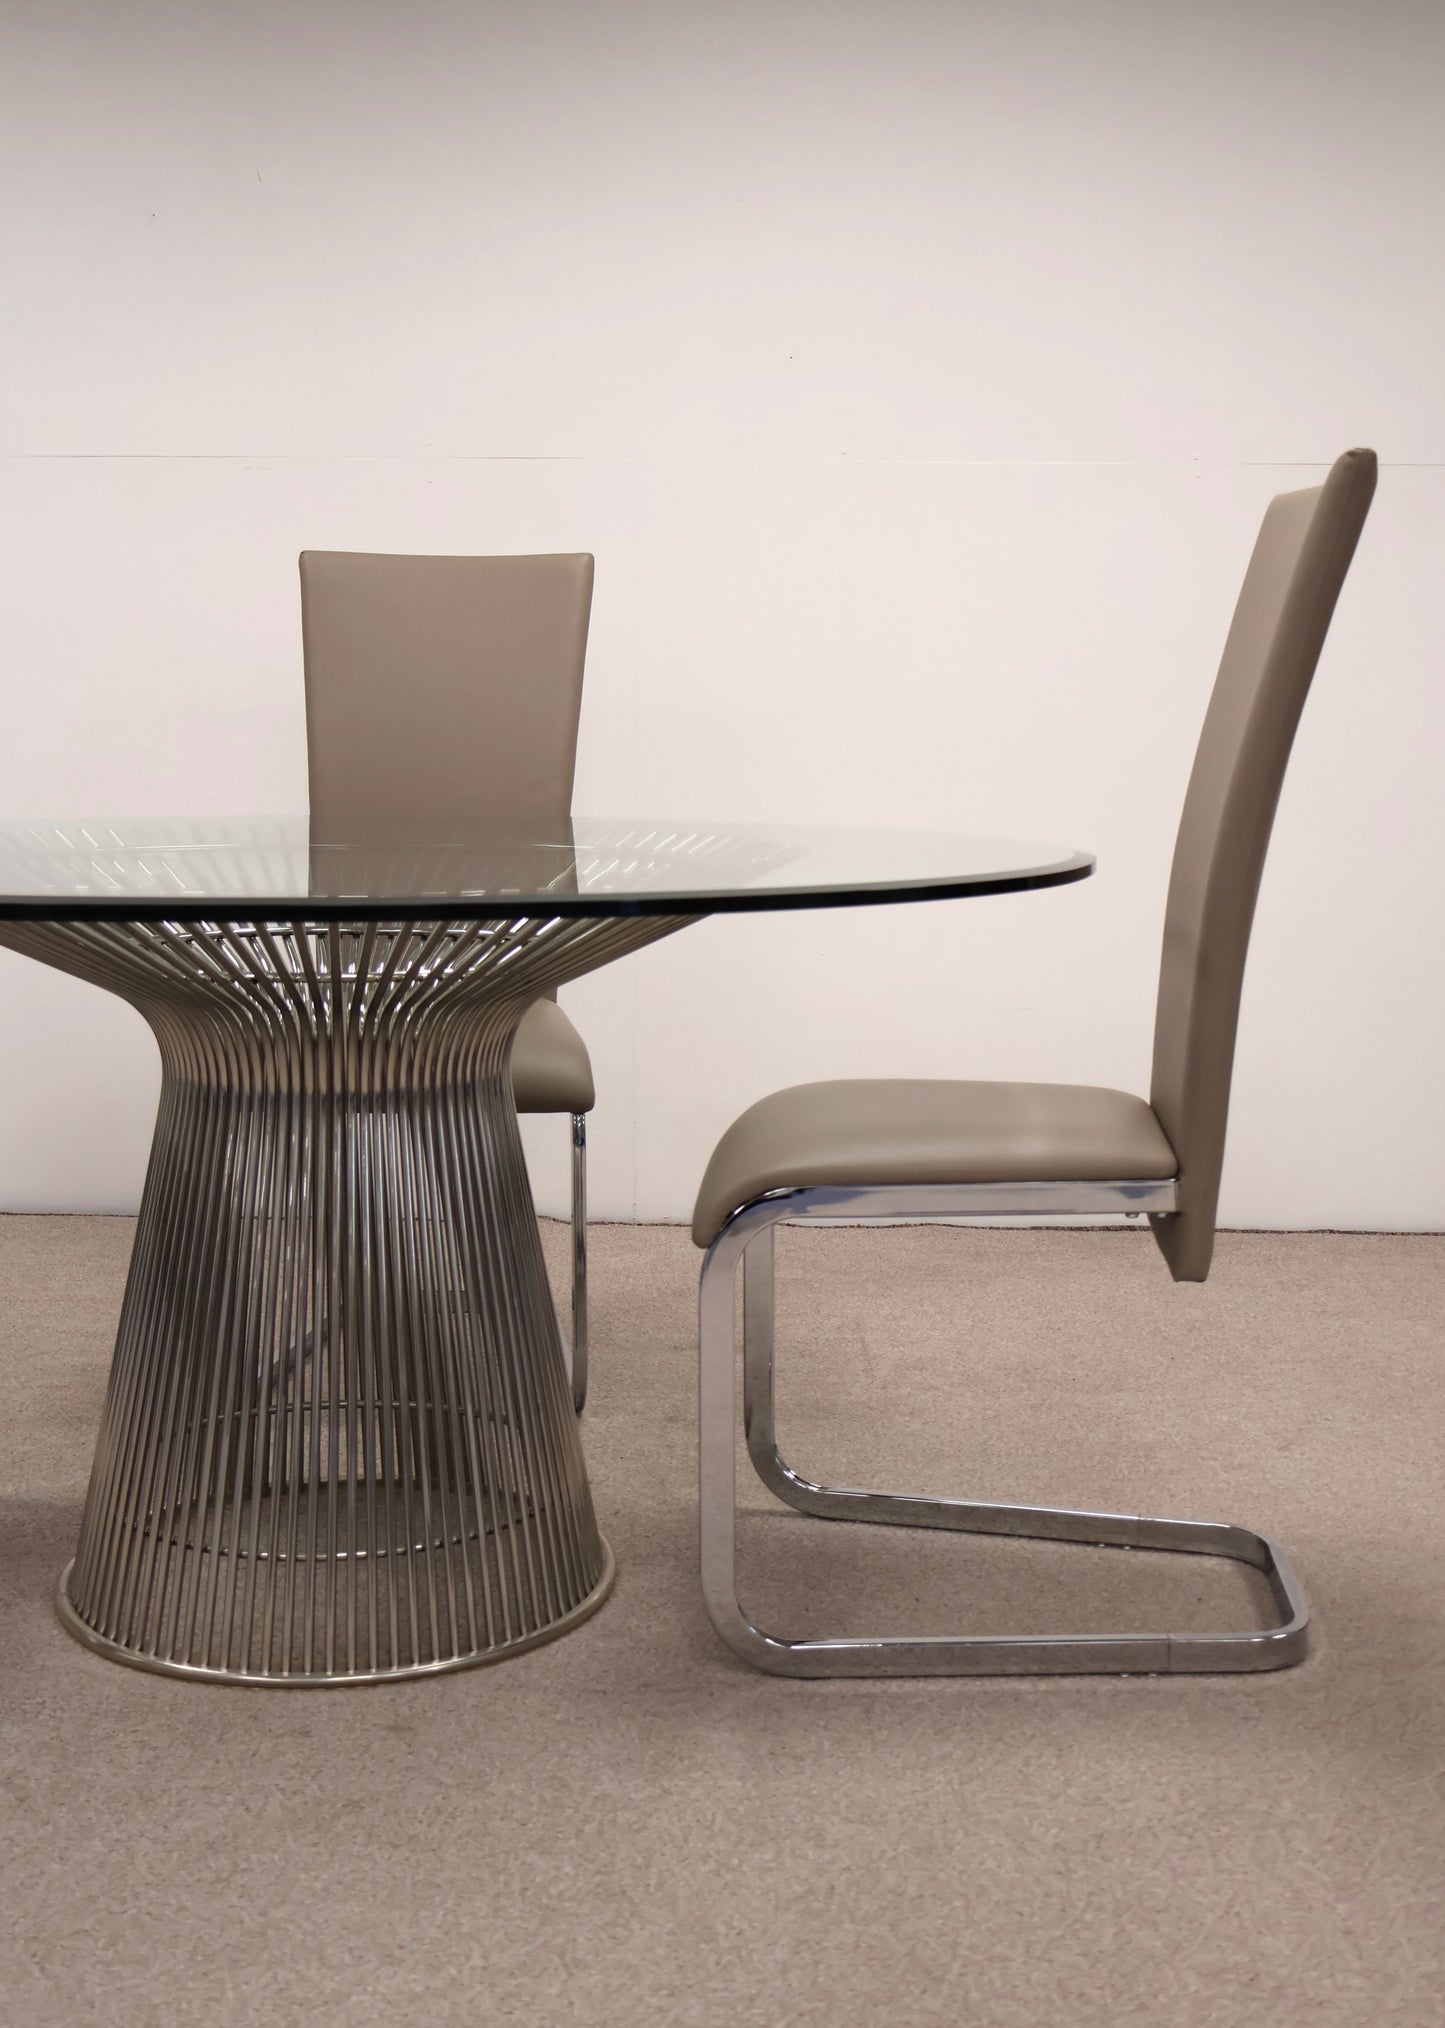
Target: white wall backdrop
917 373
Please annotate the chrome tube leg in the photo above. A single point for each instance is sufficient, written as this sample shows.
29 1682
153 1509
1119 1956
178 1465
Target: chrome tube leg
749 1236
758 1414
717 1474
579 1261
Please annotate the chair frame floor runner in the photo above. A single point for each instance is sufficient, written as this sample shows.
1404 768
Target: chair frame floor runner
748 1237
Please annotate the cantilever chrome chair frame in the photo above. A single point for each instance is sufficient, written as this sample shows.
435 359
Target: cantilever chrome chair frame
748 1236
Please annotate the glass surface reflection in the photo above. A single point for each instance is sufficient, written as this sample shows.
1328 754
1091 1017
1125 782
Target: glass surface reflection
599 866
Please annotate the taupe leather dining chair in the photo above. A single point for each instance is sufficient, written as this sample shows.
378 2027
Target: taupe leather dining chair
451 686
895 1149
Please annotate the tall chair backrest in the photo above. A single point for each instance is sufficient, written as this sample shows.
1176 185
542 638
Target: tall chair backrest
1279 627
443 686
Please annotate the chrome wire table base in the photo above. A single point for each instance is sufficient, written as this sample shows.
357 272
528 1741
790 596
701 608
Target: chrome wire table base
339 1443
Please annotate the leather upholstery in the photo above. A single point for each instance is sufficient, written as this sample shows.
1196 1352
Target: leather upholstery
445 686
550 1068
901 1130
1279 627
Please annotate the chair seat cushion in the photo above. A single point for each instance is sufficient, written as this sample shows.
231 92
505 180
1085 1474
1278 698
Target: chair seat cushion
551 1072
899 1130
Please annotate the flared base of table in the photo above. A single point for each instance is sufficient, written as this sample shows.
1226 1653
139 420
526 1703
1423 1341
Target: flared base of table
339 1442
113 1651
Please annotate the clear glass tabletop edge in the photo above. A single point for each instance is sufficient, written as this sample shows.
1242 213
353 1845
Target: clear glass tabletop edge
196 869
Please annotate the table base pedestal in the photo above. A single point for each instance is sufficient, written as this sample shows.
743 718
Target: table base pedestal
339 1444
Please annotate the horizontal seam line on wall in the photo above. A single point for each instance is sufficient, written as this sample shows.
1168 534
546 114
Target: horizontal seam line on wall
697 458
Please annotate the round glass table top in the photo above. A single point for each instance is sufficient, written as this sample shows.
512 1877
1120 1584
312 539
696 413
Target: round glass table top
198 868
